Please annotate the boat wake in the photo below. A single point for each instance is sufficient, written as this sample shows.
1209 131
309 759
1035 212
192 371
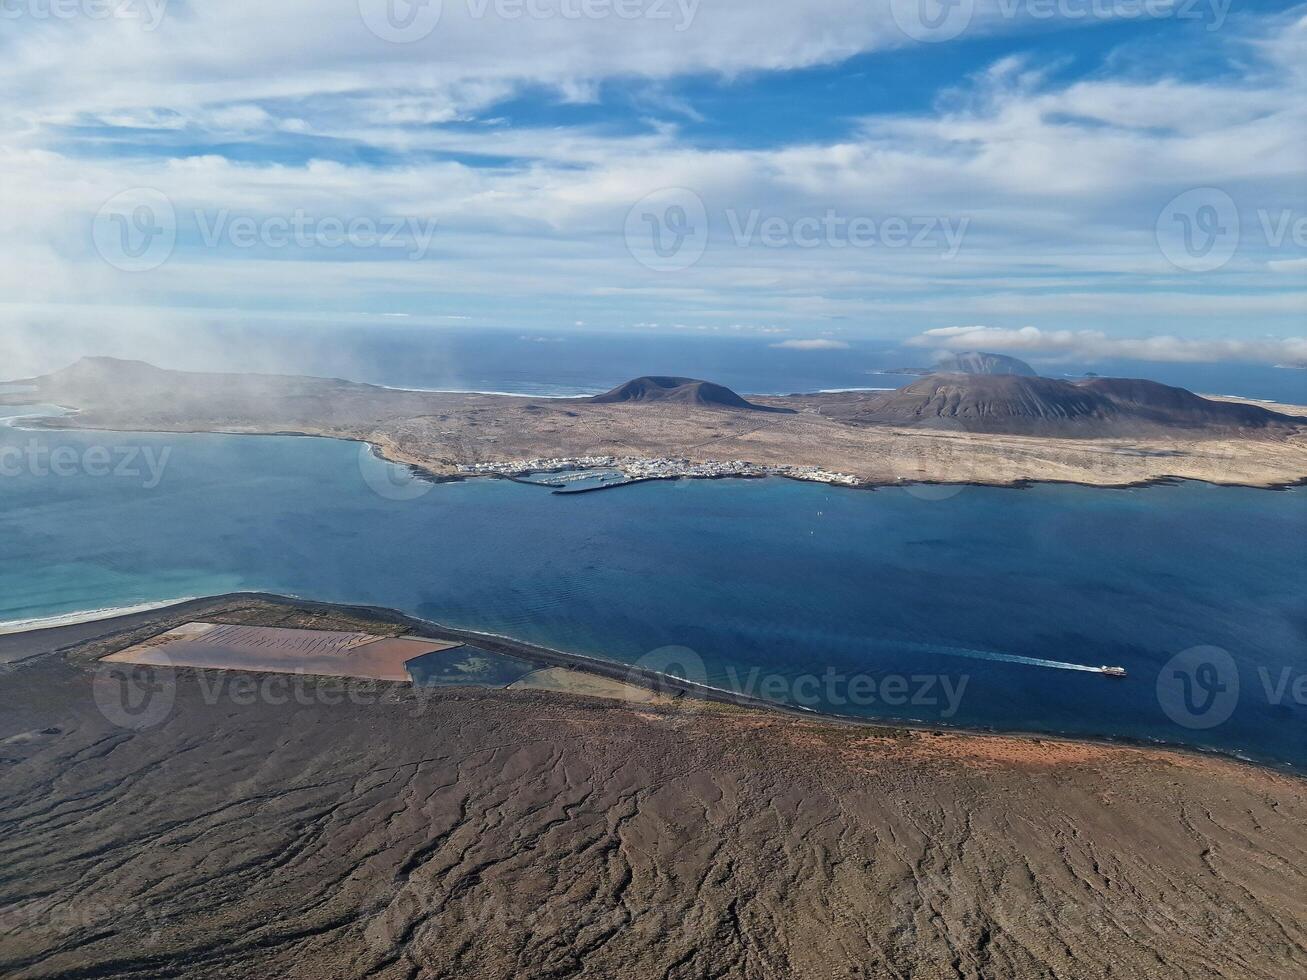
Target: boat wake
1010 658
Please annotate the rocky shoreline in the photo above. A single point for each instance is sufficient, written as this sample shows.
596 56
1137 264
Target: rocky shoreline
93 638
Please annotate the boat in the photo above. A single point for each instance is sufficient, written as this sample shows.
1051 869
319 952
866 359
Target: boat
1112 671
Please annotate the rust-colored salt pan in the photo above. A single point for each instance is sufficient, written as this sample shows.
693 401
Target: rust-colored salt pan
277 650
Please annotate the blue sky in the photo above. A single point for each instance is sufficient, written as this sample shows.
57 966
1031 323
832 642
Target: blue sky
1093 178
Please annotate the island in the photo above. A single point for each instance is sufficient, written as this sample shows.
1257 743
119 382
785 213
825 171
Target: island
998 429
972 362
196 822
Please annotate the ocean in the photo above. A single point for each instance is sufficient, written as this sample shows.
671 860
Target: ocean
980 607
579 363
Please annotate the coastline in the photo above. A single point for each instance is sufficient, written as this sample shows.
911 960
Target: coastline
45 423
820 437
22 646
37 623
431 476
283 828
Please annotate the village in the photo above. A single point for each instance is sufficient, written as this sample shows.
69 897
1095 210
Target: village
634 468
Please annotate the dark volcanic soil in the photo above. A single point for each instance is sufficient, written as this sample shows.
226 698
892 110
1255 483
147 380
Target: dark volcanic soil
683 391
523 834
1010 403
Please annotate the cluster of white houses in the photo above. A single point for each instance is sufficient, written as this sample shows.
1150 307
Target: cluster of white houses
658 468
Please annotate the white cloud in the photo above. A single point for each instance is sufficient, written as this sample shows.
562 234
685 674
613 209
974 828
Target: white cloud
1093 345
242 51
811 345
1062 183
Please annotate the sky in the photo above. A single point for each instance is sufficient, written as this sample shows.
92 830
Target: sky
1088 178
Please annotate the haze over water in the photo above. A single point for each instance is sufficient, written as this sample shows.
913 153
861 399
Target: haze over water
761 579
574 363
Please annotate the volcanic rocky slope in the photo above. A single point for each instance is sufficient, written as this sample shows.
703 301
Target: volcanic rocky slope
981 362
1047 406
682 391
482 833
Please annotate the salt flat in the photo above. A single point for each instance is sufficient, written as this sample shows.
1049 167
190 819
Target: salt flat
277 650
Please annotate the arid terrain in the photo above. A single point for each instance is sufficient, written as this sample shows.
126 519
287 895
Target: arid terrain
851 433
493 833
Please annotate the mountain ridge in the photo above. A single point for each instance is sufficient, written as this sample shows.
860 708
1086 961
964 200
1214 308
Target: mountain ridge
1005 404
972 362
1020 405
984 362
676 390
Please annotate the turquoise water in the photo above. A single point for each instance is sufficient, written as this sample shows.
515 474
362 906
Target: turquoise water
992 595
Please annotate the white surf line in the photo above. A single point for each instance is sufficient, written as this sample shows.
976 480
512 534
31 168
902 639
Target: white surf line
16 421
1011 658
85 616
480 391
840 391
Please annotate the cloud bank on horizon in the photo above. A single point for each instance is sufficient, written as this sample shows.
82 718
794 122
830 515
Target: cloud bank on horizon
1095 346
1131 185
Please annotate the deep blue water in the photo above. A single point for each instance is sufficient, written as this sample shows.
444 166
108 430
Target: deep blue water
789 578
